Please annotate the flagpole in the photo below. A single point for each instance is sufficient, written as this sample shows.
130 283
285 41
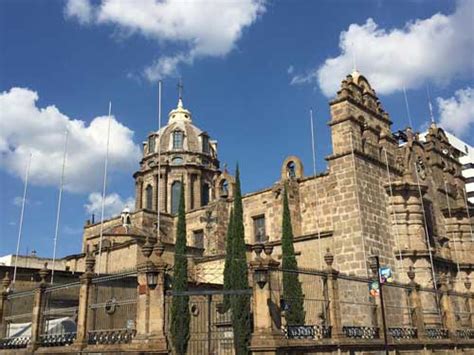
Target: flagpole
58 213
22 214
104 188
159 166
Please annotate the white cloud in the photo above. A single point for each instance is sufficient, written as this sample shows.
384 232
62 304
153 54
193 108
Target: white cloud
457 112
79 9
113 205
200 28
435 49
18 201
26 128
290 69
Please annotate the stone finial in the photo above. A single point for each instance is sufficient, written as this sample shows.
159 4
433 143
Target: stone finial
6 281
44 272
257 249
411 273
268 250
90 261
147 248
159 249
328 258
468 283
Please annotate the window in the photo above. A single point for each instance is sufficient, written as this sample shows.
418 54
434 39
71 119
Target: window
175 195
291 168
205 144
178 137
224 188
151 144
205 194
149 197
198 237
259 229
177 161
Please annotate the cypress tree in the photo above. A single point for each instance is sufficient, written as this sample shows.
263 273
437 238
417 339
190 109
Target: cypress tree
228 260
180 316
240 304
292 291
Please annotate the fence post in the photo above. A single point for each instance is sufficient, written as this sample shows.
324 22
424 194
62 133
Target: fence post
84 299
449 321
333 295
470 302
151 301
3 300
266 335
38 308
415 302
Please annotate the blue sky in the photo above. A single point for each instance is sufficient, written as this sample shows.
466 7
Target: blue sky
251 69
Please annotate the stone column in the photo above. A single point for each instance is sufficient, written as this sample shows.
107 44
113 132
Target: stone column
3 300
150 321
38 308
333 296
84 299
415 302
267 335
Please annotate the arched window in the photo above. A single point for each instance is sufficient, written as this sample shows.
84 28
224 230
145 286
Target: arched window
224 188
178 138
205 144
151 144
149 197
177 161
175 195
291 168
205 194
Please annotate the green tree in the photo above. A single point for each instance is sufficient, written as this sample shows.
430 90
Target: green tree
229 254
180 316
240 304
292 292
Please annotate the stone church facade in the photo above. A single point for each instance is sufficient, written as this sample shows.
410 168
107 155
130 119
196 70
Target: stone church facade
385 193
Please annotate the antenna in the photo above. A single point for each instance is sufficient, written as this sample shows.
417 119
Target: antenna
407 106
22 214
430 106
159 164
58 213
104 187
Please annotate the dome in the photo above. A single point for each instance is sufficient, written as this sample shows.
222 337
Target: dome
181 135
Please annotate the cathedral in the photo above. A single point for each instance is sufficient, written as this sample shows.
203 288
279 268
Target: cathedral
392 194
394 197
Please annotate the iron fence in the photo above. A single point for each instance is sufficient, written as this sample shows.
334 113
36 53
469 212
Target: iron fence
112 309
358 308
211 330
18 319
314 301
59 319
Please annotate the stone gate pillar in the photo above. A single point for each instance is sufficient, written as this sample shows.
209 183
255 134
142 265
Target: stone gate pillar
150 321
267 335
415 302
84 299
38 308
3 300
333 296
